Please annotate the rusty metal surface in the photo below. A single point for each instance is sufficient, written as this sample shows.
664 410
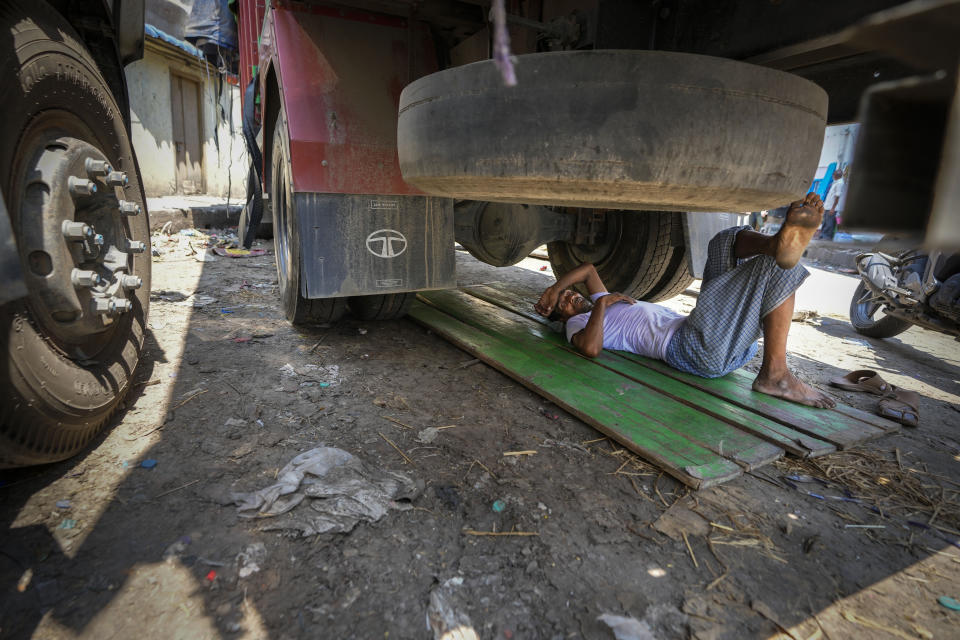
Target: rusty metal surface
368 244
341 73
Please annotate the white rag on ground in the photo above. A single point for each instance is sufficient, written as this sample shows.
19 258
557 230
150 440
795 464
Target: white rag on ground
344 491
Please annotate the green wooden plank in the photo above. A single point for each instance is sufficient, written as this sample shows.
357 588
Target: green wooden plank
720 437
686 461
794 442
842 427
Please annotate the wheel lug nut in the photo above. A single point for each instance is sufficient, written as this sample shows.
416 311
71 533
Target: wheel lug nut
117 179
97 167
131 282
84 278
76 230
104 306
81 186
121 305
98 239
128 208
135 246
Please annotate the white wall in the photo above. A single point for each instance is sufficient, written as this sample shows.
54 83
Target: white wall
148 81
839 142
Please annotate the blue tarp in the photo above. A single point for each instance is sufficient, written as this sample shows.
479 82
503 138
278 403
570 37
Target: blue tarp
153 32
211 21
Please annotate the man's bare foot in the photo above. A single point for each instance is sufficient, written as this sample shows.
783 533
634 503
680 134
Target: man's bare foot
788 387
802 221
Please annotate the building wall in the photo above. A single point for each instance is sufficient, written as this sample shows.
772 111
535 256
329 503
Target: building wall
148 80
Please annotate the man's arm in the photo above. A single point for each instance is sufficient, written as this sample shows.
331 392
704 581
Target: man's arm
589 340
585 273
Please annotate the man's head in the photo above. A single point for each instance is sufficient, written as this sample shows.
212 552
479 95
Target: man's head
569 304
837 174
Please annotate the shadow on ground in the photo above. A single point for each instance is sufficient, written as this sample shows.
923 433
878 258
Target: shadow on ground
154 551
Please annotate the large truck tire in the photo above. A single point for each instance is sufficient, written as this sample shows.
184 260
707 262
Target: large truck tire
676 277
614 129
636 256
67 364
286 240
387 306
863 317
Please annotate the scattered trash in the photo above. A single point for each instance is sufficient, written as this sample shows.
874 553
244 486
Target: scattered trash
188 232
149 463
445 615
625 628
528 452
200 301
67 523
855 342
349 489
325 376
499 506
167 296
204 255
226 310
543 268
428 435
242 339
678 519
949 603
239 253
24 580
548 414
235 422
805 315
250 559
362 331
63 504
176 549
211 575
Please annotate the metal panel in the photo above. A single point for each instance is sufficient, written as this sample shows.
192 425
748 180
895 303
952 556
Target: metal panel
341 73
366 244
699 229
943 229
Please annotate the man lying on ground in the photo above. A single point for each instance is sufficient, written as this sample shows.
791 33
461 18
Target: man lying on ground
749 287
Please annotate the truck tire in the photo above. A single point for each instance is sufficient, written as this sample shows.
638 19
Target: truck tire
66 366
862 318
386 306
634 258
286 240
676 277
614 129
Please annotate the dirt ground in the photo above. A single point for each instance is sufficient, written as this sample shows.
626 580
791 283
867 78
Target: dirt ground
100 546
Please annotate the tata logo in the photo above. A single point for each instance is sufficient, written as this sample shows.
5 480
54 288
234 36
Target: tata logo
386 243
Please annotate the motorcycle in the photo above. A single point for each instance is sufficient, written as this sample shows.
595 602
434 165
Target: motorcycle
910 288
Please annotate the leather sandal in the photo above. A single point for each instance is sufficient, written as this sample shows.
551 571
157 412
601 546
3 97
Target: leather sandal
864 380
901 407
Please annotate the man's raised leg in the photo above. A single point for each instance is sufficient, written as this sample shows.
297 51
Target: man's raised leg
775 378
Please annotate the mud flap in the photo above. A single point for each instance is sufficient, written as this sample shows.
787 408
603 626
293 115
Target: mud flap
370 244
700 229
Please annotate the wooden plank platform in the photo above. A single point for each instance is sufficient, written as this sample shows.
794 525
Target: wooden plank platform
700 434
842 426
